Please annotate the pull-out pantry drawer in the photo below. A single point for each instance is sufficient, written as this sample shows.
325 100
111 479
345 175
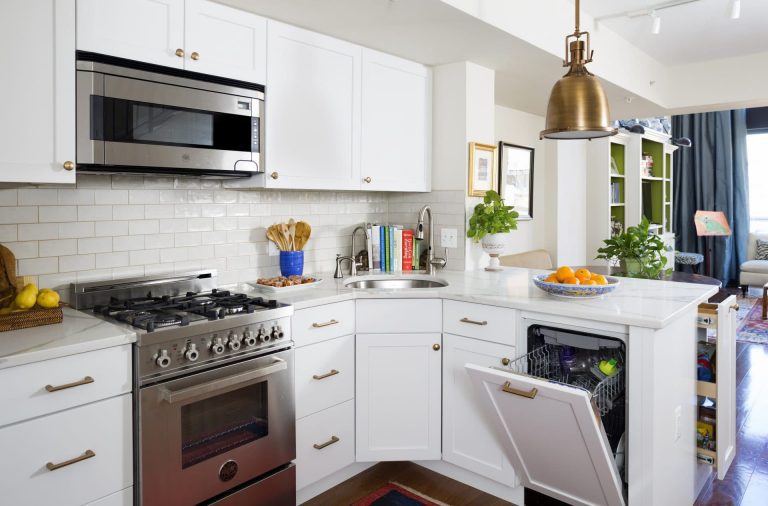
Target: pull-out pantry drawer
325 375
325 443
319 323
61 383
68 458
398 316
489 323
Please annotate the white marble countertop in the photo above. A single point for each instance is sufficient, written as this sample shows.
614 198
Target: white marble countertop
77 333
638 302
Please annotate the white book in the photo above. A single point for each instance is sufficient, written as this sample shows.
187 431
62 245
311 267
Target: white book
398 250
376 247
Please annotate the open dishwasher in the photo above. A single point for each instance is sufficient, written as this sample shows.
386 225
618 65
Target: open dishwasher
560 412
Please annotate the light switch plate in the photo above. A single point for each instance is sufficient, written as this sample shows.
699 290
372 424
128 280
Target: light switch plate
448 238
272 249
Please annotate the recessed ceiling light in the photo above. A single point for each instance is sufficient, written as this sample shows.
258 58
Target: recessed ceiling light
656 25
735 9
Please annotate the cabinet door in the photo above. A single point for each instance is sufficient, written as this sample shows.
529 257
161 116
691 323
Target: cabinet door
313 110
398 397
726 385
150 31
468 440
37 133
396 121
227 42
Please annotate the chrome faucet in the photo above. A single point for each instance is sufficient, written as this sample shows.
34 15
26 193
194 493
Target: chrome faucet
432 261
352 266
356 254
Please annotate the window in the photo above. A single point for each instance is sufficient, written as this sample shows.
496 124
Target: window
757 158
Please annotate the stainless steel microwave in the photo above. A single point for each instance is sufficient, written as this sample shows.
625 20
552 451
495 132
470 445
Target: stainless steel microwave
142 121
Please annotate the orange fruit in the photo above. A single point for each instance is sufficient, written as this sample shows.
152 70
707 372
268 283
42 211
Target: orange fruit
599 279
583 274
588 282
563 273
552 278
573 280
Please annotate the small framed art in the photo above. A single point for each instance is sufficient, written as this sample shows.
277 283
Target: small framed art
482 173
516 178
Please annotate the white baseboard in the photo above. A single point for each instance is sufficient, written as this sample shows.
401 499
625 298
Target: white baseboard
327 483
513 495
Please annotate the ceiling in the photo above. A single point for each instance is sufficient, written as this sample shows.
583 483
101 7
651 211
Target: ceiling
693 32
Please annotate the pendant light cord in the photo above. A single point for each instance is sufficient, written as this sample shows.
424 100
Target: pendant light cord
577 18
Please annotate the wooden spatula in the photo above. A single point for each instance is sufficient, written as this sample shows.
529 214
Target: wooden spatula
303 231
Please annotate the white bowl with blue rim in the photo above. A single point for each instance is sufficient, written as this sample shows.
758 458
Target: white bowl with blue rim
575 291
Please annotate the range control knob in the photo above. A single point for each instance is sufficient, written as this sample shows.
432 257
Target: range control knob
163 359
191 352
263 336
248 338
217 346
277 333
234 342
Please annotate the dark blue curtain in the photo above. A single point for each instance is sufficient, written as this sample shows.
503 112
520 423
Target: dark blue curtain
712 176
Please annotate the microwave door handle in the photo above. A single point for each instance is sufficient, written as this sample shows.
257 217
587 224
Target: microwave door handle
222 385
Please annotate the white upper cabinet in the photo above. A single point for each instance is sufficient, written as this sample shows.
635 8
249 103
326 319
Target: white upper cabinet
225 42
37 133
150 31
313 110
195 35
396 120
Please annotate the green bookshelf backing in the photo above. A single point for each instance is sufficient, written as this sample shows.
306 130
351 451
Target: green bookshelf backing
667 166
617 153
617 214
656 150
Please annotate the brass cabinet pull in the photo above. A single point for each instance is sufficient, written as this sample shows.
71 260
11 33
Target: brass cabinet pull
505 361
321 325
508 388
735 307
473 322
274 175
367 179
436 347
195 55
333 372
320 446
180 53
69 165
83 381
85 456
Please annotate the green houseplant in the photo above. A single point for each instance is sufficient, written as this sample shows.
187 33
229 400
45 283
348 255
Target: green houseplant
640 254
489 224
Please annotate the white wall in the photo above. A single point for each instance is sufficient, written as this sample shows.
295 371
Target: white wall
570 207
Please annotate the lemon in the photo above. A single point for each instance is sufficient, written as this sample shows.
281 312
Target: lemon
26 299
31 287
48 299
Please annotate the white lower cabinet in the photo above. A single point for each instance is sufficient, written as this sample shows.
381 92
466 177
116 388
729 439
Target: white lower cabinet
325 375
398 396
69 458
122 498
325 443
468 441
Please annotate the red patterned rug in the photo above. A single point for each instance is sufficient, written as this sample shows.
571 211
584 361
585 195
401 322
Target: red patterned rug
394 494
753 328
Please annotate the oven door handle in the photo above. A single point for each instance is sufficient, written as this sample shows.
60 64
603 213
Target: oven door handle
222 385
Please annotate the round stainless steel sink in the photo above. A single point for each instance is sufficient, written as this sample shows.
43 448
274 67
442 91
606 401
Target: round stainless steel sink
404 282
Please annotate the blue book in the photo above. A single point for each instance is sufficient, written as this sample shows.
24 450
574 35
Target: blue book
382 246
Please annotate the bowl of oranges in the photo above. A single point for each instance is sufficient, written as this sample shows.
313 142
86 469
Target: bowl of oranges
575 284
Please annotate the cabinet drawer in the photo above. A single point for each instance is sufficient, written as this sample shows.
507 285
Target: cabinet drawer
378 316
325 375
489 323
121 498
36 389
316 324
103 427
333 431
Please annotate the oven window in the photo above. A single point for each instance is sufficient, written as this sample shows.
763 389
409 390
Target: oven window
118 120
222 423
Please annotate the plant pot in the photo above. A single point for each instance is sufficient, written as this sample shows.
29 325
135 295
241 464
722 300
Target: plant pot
631 266
494 245
291 263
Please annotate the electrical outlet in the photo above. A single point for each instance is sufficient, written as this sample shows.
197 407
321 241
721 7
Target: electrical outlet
678 416
272 249
448 238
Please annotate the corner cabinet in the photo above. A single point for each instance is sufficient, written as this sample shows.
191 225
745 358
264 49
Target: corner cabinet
37 134
313 110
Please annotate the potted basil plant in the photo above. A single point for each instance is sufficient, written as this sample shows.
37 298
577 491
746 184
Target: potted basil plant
640 253
490 224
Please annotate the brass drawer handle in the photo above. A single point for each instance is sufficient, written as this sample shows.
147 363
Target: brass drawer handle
195 55
735 307
505 361
83 381
85 456
367 179
436 347
274 175
508 388
321 325
69 165
473 322
333 372
320 446
180 53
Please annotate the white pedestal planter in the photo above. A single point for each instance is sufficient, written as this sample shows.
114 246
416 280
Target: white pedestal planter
494 245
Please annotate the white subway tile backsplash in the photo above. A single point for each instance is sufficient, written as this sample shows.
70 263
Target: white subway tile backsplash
127 181
101 181
94 213
38 231
57 214
117 259
173 225
144 257
94 245
187 239
158 211
27 249
173 196
76 230
129 242
37 197
8 233
76 197
158 182
217 237
143 196
8 198
173 255
200 224
144 227
36 266
110 228
128 212
187 210
158 241
225 197
58 247
111 197
14 215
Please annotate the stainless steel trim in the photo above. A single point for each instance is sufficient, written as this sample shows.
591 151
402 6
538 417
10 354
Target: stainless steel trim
222 385
152 155
88 150
278 489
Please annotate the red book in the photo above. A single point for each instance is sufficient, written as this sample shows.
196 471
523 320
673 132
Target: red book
407 250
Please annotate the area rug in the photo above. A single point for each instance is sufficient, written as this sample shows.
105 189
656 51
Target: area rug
395 494
753 329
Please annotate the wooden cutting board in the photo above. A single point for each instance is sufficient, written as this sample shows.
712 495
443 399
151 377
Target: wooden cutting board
8 280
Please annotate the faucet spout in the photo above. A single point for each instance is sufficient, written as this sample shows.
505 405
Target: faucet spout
432 262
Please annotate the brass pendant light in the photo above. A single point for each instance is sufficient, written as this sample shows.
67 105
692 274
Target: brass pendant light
577 107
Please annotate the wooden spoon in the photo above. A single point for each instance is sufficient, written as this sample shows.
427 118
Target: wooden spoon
286 236
274 237
303 231
292 232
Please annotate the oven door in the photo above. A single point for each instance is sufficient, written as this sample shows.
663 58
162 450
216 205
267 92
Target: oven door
145 125
204 434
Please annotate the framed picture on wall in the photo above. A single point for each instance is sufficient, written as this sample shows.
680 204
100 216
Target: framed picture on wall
482 173
516 178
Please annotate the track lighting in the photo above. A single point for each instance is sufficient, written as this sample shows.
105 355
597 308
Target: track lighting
735 9
656 25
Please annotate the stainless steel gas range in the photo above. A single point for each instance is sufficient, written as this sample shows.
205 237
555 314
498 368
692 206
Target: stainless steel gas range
213 388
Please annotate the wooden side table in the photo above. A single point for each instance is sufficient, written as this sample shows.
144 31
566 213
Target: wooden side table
765 301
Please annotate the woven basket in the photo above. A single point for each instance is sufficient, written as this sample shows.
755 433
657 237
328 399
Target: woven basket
32 318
